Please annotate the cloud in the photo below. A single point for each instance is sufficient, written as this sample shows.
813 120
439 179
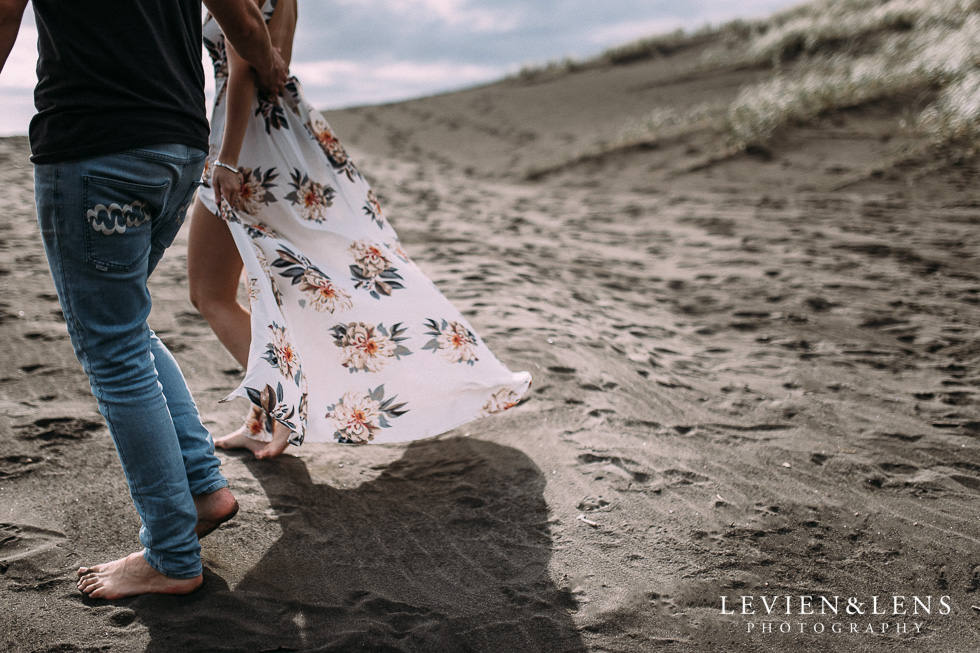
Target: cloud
460 14
339 83
349 52
18 72
18 109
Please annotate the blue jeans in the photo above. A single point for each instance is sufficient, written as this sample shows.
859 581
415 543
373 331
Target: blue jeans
106 222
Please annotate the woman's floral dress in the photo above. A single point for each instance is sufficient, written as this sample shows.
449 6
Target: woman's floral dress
350 340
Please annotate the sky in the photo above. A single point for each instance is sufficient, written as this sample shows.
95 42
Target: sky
353 52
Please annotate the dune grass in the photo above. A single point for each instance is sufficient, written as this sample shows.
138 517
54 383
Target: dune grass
850 52
827 55
652 47
821 56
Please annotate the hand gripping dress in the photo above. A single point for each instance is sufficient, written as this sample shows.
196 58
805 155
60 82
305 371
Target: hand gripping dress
351 342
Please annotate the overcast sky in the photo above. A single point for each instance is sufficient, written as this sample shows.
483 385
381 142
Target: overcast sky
351 52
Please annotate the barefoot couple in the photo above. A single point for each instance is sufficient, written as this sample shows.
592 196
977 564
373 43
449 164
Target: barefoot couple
344 338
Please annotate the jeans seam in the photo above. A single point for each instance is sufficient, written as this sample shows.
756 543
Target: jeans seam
148 154
214 487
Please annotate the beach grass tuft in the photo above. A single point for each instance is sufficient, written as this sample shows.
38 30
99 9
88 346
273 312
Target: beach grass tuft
824 56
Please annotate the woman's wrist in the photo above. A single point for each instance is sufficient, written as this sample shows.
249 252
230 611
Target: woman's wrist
227 166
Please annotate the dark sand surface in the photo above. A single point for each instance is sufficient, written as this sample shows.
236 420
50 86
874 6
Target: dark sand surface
755 374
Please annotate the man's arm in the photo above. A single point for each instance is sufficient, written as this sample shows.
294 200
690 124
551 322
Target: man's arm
11 12
244 27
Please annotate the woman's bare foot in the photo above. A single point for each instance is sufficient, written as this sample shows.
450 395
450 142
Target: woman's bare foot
213 510
255 425
131 576
238 440
258 424
280 440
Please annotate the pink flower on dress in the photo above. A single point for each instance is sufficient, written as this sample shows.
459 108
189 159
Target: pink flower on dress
255 427
396 247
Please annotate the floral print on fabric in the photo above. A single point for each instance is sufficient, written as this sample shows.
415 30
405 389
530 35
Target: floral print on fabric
372 208
334 151
358 417
272 112
456 343
372 270
500 401
281 354
322 293
351 342
370 348
256 189
270 400
311 197
267 273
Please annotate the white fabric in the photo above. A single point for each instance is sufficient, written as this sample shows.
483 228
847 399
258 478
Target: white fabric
350 340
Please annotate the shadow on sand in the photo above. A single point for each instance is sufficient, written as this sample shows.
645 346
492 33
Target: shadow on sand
447 550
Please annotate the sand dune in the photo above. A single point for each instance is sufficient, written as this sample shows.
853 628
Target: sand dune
755 374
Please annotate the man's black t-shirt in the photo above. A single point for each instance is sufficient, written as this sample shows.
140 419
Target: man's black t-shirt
117 74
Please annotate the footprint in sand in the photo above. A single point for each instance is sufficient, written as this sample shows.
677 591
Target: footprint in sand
624 467
45 337
14 466
56 430
19 541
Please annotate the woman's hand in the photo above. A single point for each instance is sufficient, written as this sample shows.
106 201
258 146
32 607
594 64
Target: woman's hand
227 185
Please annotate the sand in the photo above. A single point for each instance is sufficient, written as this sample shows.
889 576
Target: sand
755 374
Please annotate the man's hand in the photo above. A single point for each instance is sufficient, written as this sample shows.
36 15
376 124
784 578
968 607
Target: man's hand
11 13
273 81
244 27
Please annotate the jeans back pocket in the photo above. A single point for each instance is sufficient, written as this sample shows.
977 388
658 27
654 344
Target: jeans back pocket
119 221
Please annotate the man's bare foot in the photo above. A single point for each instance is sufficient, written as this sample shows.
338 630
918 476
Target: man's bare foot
213 510
280 440
131 576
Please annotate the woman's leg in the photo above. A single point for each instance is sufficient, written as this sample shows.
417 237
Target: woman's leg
214 270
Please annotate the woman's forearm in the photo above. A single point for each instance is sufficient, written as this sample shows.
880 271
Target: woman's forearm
238 107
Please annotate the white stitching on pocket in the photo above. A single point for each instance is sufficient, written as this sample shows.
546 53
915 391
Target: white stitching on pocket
115 219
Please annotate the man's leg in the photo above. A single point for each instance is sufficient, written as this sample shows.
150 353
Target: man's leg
99 218
214 502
